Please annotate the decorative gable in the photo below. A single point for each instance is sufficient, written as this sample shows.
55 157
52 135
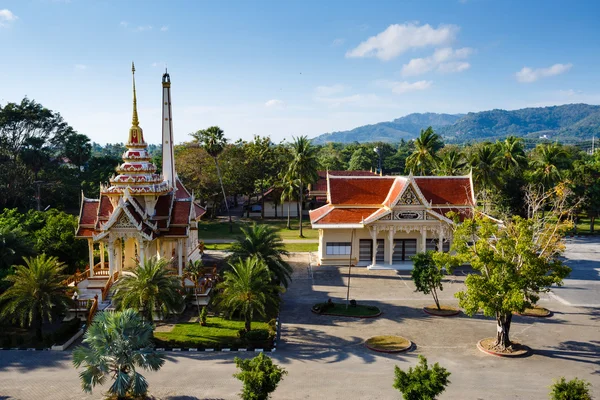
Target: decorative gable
409 198
124 222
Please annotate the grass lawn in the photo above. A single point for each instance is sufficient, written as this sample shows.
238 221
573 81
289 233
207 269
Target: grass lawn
388 343
583 226
291 247
358 311
220 229
218 332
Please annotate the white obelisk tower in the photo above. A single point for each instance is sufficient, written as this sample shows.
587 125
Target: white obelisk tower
168 157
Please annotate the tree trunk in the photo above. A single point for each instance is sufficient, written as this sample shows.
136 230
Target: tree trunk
38 328
435 298
301 200
224 196
592 223
262 194
288 221
503 330
248 323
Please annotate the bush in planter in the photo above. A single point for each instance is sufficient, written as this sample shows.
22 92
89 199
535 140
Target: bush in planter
576 389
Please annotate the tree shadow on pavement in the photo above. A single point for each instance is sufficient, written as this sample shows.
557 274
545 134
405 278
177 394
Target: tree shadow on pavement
585 352
190 398
26 361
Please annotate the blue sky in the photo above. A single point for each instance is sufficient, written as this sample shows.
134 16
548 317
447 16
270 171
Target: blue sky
286 68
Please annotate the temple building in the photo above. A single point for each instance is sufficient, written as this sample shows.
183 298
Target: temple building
141 214
382 221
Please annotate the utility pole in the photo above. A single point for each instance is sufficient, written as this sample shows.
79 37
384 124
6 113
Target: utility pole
38 199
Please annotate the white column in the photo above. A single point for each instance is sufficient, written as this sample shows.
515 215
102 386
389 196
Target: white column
423 240
180 256
111 258
101 255
321 245
120 257
441 240
390 245
91 255
142 251
374 236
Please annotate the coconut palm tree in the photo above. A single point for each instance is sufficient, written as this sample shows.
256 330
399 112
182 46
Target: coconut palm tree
247 289
485 164
289 189
194 272
303 167
424 158
263 242
511 154
150 287
118 345
37 292
547 162
213 141
450 163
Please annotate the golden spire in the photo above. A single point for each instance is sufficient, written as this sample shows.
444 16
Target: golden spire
134 120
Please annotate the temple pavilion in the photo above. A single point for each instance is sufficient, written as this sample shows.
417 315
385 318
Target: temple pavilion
141 214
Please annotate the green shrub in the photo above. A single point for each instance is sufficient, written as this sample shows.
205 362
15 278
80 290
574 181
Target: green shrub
259 376
421 382
575 389
203 316
257 335
242 334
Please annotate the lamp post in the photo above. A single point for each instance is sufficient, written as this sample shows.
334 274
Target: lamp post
378 151
75 298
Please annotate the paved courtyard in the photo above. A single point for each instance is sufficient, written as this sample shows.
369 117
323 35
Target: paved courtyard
326 359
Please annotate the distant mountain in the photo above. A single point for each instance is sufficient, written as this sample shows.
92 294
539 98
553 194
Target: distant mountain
407 127
569 121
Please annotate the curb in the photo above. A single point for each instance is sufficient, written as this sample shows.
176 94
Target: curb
527 352
441 315
550 313
409 347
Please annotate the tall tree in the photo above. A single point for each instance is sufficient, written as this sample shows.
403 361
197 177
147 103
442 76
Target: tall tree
484 161
423 159
263 242
247 289
37 292
361 160
289 190
303 167
450 163
213 141
548 162
118 345
149 288
194 271
511 154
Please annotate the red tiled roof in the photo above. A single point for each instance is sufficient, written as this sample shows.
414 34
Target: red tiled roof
346 215
181 212
319 212
88 212
442 190
162 206
182 192
106 208
355 191
200 211
176 231
85 232
394 192
321 184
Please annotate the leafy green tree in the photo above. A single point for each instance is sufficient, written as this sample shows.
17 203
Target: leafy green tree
361 160
14 245
37 292
213 141
330 158
424 158
150 287
194 271
259 375
516 261
263 242
119 344
77 148
450 162
575 389
247 289
303 167
587 187
421 382
426 275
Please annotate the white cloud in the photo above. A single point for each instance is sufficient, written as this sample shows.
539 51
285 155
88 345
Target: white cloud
397 39
6 16
323 91
80 67
405 86
164 28
528 75
338 42
274 103
143 28
443 60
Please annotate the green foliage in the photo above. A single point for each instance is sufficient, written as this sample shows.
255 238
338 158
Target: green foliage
149 288
303 167
575 389
263 242
117 345
203 316
361 160
247 289
37 292
421 382
424 158
259 375
426 275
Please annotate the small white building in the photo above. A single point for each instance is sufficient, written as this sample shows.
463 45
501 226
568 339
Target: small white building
382 221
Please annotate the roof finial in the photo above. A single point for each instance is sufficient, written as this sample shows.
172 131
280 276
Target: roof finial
134 120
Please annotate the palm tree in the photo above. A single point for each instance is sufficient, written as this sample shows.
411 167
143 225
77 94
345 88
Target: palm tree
485 164
511 154
247 288
148 288
263 242
289 186
424 158
451 163
194 272
213 141
37 292
303 167
547 162
118 344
